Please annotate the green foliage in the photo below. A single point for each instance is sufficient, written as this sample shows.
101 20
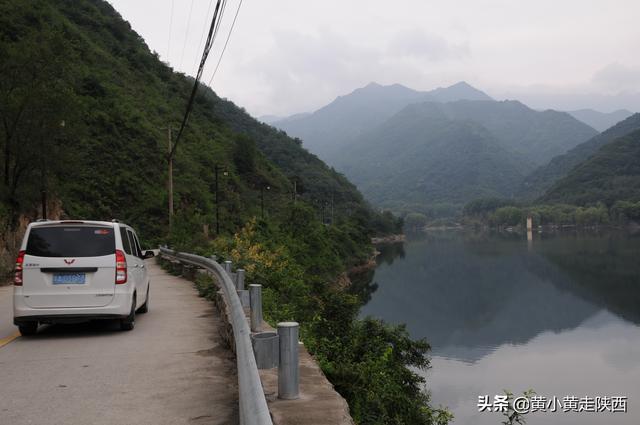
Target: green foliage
244 155
480 208
493 213
513 417
623 211
370 365
506 216
415 221
368 362
538 182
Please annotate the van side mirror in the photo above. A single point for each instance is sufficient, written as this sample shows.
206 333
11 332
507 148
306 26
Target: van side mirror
148 254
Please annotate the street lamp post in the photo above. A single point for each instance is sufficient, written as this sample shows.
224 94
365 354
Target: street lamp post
217 169
262 188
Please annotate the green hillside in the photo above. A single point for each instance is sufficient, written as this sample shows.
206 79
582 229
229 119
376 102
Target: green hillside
79 63
535 136
420 158
544 177
612 174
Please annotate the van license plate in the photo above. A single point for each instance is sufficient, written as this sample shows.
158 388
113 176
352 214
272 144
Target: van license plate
68 278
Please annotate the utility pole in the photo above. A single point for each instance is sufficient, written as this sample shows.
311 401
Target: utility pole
170 178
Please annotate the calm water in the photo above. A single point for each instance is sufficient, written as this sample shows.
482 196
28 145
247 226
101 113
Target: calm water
559 314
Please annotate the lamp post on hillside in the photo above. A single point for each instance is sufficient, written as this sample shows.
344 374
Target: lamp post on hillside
217 169
262 189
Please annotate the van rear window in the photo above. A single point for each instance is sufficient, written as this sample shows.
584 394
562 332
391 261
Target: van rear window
71 241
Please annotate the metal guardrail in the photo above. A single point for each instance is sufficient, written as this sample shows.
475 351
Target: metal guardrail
253 405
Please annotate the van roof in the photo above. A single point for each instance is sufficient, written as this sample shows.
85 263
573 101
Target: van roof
99 223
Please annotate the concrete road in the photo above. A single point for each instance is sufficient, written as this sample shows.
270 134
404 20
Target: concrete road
171 369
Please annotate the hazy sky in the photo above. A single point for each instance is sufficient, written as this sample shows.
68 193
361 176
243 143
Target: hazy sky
289 56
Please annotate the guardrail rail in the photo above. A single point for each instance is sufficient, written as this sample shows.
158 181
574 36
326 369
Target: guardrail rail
253 405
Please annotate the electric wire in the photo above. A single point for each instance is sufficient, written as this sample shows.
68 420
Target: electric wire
203 61
204 30
186 35
170 29
226 43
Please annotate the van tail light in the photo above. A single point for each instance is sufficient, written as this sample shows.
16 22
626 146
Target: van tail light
17 279
121 268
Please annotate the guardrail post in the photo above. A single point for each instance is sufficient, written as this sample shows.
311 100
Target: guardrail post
227 267
255 301
288 374
240 279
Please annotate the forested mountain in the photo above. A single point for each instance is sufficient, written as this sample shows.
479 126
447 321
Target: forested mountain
600 120
536 136
326 131
611 174
85 108
422 158
544 177
443 154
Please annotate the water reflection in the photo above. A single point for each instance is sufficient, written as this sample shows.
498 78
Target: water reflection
501 311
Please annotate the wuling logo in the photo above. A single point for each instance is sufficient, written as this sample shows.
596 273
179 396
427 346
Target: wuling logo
69 262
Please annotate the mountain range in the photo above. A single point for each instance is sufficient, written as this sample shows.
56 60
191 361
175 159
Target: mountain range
600 120
407 149
326 131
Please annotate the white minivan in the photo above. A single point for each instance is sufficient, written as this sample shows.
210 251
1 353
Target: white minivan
75 271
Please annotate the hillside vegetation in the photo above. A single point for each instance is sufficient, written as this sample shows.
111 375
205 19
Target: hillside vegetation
422 157
612 174
540 180
85 109
434 157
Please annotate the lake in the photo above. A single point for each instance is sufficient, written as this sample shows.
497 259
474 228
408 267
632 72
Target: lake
559 314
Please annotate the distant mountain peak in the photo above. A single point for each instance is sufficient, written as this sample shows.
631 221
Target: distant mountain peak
459 91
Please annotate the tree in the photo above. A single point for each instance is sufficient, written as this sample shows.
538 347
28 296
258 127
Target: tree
37 101
415 221
244 155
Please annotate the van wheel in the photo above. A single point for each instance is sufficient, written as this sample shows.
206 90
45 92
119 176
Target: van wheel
144 308
129 322
29 328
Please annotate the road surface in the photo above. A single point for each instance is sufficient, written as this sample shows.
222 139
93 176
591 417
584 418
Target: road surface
171 369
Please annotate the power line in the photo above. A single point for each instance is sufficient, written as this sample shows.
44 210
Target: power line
223 8
203 61
186 35
204 30
226 42
170 28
